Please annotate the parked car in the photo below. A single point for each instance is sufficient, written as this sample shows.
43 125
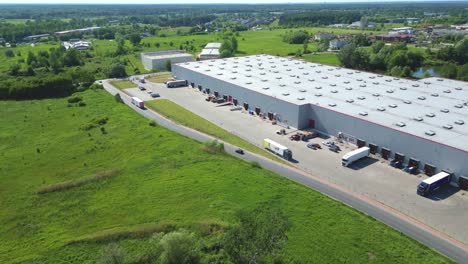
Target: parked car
314 146
396 164
411 170
328 143
334 148
141 88
239 151
154 95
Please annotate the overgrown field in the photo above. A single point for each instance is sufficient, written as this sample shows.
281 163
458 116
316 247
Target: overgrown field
130 179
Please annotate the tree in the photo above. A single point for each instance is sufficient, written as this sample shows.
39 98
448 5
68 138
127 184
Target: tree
345 56
14 69
168 65
463 73
31 58
306 47
377 46
179 247
259 234
71 58
9 53
135 39
234 44
115 70
296 37
449 70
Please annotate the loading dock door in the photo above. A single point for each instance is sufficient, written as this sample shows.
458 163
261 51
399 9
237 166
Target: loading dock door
311 123
200 87
246 106
429 169
225 97
270 115
373 148
257 110
361 143
207 91
463 182
216 93
234 101
230 98
399 157
413 163
192 84
385 152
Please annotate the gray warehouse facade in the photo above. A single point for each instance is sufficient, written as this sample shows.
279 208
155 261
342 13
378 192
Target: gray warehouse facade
157 60
421 123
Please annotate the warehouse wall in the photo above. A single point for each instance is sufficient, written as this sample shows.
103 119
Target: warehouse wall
288 113
443 157
160 64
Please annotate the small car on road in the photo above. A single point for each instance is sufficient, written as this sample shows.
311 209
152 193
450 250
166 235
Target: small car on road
328 143
239 151
154 95
141 88
314 146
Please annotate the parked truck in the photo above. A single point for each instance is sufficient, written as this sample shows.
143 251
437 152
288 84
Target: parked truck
138 102
278 149
433 183
355 155
176 83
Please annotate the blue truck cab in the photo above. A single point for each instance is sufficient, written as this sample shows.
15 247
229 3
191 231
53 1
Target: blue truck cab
433 183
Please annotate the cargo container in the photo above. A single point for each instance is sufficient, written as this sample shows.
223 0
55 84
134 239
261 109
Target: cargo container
278 149
433 183
354 155
138 102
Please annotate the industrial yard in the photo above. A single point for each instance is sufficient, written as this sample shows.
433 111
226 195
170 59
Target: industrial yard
373 177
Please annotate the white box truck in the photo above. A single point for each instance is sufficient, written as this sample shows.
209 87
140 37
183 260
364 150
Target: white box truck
176 83
433 183
138 102
354 155
278 149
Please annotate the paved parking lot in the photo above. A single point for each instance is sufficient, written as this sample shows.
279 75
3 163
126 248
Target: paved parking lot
446 211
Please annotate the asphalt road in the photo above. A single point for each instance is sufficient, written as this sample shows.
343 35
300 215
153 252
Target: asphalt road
432 238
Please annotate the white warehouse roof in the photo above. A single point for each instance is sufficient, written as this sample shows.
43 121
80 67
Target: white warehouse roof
213 45
158 55
433 108
209 52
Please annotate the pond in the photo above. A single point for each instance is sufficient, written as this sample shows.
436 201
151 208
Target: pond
419 73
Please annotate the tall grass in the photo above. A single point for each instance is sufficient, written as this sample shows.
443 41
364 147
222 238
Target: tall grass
62 186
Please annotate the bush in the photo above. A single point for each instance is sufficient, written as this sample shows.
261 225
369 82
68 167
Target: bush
213 147
179 247
75 99
296 37
255 164
153 123
118 99
81 104
112 254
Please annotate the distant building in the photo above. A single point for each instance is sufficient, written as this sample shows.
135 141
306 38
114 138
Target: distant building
323 35
337 44
145 35
158 60
358 24
35 37
403 30
393 37
76 44
211 51
2 40
338 25
410 20
80 30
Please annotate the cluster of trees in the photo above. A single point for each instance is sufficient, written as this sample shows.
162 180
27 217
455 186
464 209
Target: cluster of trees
37 87
296 37
396 60
318 18
229 46
456 60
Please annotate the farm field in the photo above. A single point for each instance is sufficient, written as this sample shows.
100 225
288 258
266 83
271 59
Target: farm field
109 177
324 58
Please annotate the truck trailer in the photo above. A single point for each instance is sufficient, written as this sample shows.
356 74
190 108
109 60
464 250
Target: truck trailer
355 155
433 183
138 102
278 149
176 83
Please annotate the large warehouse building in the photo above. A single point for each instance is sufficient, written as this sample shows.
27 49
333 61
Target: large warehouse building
158 60
421 122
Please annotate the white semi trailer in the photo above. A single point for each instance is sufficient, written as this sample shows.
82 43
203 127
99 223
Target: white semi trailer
354 155
277 148
138 102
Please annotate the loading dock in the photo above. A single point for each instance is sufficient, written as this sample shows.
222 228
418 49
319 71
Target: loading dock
429 169
385 152
463 182
361 143
373 148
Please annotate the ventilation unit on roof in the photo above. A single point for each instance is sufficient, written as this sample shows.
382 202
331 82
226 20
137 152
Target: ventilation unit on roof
430 133
381 109
266 88
435 94
361 97
375 83
418 118
458 106
388 80
221 68
233 78
310 80
297 82
376 94
235 66
324 77
278 77
288 69
248 75
389 91
210 64
219 73
348 88
363 113
333 91
400 124
318 87
318 94
357 71
296 62
262 73
421 98
330 69
337 75
427 82
285 94
447 91
302 90
332 84
197 66
346 82
273 66
359 80
407 101
318 71
248 69
440 80
282 85
458 88
264 80
282 60
300 98
275 71
392 105
445 110
261 68
338 68
350 100
248 82
285 64
447 126
396 79
430 114
349 72
362 85
301 68
371 77
415 85
332 104
207 70
313 66
459 122
379 75
403 88
305 73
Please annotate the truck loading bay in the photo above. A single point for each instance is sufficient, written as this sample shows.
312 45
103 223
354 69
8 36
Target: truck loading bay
446 210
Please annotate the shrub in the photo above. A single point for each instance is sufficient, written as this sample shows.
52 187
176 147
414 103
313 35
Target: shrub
213 147
74 99
81 104
61 186
255 164
112 254
179 247
153 123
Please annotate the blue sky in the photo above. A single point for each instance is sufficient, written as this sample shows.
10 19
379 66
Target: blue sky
186 1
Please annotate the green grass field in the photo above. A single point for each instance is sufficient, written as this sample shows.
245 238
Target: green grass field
123 84
324 58
186 118
155 179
